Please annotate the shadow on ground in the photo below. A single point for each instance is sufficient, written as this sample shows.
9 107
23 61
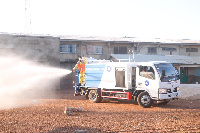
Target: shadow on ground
74 130
180 104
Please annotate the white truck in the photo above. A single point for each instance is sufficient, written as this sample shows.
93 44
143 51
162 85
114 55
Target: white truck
144 82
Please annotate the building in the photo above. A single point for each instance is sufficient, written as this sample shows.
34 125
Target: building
184 54
63 51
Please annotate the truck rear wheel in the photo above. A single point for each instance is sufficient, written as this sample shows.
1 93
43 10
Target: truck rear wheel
86 96
144 100
94 96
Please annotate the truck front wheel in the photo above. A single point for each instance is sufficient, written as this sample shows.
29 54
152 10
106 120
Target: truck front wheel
144 100
94 96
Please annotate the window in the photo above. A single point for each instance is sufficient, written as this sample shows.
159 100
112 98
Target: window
91 49
168 49
152 50
135 48
68 49
167 72
192 49
120 50
147 72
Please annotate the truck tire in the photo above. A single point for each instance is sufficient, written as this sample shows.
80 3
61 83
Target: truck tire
94 96
144 100
86 96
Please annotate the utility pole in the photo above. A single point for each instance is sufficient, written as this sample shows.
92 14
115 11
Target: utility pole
27 17
131 51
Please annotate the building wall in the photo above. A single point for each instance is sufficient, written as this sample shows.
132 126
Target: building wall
171 49
37 49
143 48
64 56
129 46
105 50
139 48
81 50
183 50
164 49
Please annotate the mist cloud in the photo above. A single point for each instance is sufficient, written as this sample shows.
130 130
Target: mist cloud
22 79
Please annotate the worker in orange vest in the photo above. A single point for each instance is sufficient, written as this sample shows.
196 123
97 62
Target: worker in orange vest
81 68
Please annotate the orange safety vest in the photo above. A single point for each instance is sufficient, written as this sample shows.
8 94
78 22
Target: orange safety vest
81 66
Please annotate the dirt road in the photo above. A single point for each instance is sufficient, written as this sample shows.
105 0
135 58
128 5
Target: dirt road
47 115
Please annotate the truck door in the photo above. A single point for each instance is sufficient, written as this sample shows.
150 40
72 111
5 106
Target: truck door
133 77
145 80
120 76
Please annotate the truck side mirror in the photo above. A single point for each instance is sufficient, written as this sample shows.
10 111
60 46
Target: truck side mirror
163 72
178 76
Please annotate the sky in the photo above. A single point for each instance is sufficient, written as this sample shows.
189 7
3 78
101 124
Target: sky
167 19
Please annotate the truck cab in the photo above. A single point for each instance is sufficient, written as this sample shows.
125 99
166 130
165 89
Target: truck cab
159 80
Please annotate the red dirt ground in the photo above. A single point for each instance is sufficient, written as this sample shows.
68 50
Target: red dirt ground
47 115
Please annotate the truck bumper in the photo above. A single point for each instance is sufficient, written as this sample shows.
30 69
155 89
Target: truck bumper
169 95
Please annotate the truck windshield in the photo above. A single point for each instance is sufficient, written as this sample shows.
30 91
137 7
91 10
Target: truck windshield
166 72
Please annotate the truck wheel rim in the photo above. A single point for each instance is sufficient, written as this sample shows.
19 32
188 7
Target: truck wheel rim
93 96
145 99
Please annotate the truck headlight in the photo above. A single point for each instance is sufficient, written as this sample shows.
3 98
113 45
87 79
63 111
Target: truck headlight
178 88
163 91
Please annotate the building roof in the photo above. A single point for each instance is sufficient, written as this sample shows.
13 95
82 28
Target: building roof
130 40
112 39
175 59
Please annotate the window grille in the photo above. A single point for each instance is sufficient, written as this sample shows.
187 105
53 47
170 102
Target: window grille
68 49
120 50
152 50
192 49
91 49
168 49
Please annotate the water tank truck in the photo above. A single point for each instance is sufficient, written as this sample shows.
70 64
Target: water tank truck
143 82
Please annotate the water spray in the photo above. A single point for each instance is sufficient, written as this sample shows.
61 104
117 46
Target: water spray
20 78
